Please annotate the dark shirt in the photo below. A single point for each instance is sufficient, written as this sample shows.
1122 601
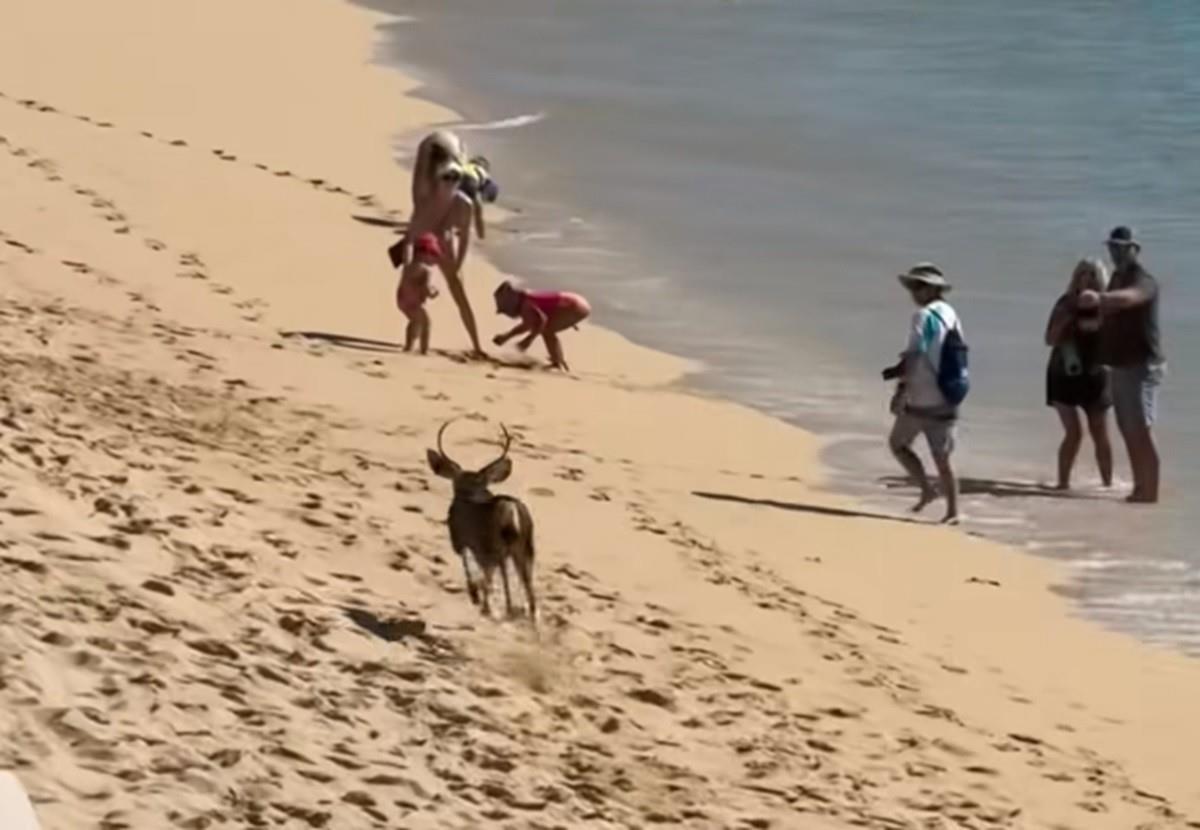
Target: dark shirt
1130 336
1087 344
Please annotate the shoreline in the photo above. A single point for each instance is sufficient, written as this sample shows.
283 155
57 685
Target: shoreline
1012 504
723 641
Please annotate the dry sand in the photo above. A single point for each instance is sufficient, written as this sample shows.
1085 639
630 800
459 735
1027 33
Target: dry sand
228 599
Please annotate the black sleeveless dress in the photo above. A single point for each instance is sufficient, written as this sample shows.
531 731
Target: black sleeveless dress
1075 376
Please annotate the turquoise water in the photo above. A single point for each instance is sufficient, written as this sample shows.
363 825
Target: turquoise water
739 181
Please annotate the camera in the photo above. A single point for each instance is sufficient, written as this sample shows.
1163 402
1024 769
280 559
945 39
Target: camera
893 372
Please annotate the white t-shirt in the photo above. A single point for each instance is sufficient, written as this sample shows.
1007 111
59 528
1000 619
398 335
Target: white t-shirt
926 335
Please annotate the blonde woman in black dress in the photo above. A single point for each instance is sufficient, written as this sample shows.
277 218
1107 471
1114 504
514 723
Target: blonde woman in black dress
1076 380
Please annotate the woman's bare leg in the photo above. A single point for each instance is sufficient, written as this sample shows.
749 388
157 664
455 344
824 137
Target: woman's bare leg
1069 448
459 294
1098 427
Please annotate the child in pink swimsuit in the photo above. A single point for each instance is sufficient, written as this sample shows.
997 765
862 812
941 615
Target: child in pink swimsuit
415 288
543 313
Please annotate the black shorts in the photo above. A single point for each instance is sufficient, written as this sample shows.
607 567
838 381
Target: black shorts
1088 390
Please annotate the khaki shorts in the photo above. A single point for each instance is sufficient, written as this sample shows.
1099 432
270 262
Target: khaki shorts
939 431
1135 394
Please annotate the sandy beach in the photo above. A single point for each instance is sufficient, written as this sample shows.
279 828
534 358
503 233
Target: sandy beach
229 599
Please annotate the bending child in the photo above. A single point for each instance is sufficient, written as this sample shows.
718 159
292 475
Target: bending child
542 313
416 287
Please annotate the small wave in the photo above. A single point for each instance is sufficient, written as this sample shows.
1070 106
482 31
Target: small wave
504 123
1151 565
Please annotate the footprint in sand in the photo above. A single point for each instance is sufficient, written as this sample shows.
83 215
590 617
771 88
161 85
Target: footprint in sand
155 244
19 245
179 142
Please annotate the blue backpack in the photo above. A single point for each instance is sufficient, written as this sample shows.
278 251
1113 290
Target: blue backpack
953 378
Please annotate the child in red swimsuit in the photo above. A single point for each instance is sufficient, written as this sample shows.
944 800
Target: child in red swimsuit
543 313
415 288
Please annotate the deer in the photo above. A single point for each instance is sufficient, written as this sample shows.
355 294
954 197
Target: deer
494 528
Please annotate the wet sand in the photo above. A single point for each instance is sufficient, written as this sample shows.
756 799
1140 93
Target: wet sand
228 595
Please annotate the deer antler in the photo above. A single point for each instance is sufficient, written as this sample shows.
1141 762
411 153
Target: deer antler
507 441
439 438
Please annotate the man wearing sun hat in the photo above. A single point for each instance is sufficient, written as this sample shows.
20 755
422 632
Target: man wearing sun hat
920 406
1132 346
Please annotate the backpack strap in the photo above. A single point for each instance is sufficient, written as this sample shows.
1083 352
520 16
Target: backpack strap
940 319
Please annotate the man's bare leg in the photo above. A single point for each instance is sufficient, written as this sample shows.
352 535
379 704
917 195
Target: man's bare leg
916 471
1143 458
949 482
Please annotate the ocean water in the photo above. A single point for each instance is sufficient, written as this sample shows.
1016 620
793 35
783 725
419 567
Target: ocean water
739 181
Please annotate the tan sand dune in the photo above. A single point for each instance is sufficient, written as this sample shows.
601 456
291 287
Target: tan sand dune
228 596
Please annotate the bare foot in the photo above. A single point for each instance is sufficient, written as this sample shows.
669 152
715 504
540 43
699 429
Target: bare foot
1063 486
1140 498
926 497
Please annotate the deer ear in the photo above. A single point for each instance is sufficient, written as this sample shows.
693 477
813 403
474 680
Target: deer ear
441 465
498 470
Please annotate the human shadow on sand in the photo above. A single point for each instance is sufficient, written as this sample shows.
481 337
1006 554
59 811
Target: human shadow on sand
817 509
1002 488
346 341
380 222
369 344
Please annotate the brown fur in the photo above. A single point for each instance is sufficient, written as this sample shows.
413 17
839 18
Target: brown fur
495 529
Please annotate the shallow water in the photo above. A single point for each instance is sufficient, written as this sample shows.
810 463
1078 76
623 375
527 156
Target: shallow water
739 181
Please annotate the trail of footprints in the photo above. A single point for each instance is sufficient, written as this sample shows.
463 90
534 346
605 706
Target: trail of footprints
471 741
317 182
190 265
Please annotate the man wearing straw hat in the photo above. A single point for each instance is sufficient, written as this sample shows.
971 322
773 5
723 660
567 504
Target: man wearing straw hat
920 406
1132 346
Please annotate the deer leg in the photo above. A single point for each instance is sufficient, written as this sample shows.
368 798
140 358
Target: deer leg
485 604
525 571
472 590
508 606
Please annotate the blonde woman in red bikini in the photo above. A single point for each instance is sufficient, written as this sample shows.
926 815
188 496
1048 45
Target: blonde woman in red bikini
442 208
542 313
